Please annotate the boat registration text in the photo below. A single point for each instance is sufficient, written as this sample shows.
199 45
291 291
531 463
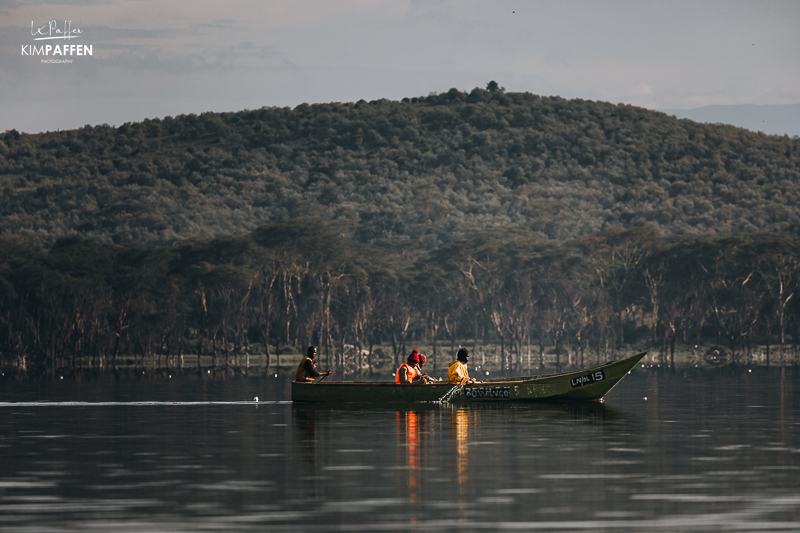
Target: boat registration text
592 377
485 392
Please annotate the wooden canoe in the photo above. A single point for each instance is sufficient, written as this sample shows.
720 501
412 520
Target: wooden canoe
580 385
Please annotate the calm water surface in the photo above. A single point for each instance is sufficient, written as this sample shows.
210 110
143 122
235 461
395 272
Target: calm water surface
705 451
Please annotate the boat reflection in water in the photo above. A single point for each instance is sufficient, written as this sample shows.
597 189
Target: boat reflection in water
414 428
459 422
304 423
409 435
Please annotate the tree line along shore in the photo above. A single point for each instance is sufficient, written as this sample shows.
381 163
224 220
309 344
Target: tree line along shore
523 302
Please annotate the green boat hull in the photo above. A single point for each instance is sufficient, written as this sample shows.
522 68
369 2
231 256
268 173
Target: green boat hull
581 385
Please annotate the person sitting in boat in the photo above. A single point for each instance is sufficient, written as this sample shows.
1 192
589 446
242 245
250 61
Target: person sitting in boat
307 369
410 371
425 377
457 372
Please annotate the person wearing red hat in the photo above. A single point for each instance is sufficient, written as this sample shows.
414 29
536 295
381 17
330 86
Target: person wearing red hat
410 372
425 377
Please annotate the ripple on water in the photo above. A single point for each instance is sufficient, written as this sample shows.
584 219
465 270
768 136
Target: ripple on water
236 486
363 505
20 498
79 506
493 500
732 473
617 514
519 491
348 467
732 447
25 484
588 476
701 498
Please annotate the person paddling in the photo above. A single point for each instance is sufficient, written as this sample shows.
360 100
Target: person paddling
457 372
307 369
410 372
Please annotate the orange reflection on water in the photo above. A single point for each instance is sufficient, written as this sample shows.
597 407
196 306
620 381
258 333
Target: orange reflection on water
459 427
408 437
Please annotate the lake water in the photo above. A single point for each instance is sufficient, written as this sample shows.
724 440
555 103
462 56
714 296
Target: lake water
707 450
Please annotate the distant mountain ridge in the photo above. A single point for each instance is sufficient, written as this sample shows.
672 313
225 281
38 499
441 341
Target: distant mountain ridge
769 119
416 173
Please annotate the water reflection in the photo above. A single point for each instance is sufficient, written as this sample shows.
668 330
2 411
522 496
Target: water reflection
304 424
410 447
704 452
459 420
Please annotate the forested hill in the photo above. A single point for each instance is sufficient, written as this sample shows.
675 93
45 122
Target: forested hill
420 172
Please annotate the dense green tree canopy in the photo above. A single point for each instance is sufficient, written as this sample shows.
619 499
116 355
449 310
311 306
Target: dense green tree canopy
420 173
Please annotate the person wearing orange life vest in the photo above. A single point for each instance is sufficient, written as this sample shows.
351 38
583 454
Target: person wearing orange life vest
307 369
457 372
410 372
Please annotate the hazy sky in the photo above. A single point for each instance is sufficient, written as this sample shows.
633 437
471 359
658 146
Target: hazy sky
152 58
